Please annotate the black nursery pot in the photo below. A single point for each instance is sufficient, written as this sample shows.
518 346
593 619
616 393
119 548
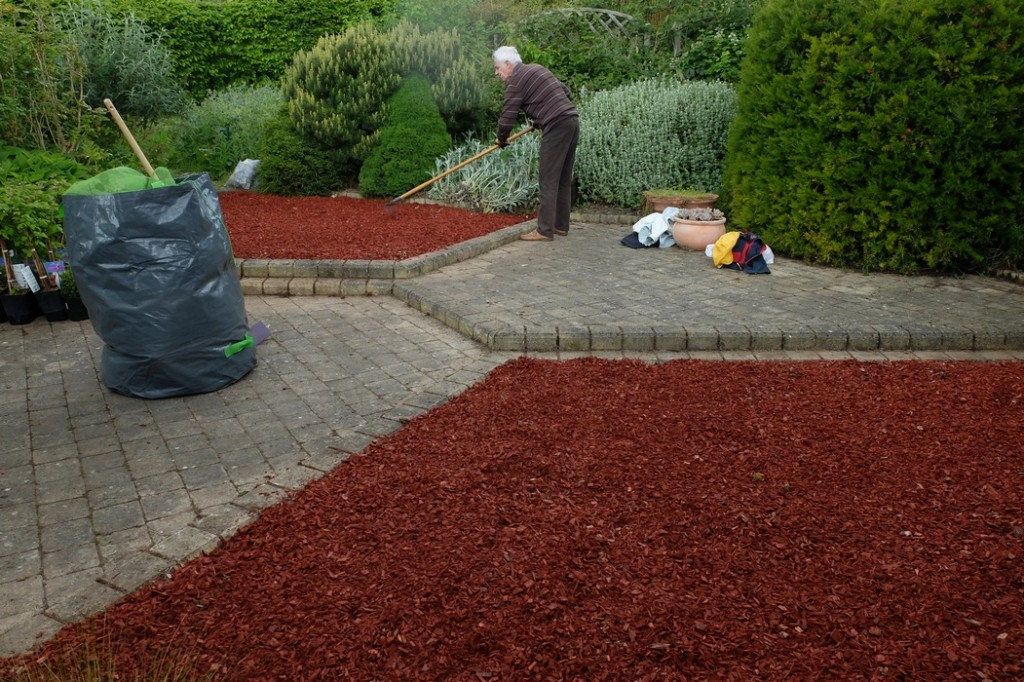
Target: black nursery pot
76 310
52 305
20 308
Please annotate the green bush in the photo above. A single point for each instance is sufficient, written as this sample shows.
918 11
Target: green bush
30 214
504 180
292 166
713 55
693 40
217 44
584 58
651 134
123 61
883 136
458 81
31 185
225 128
336 90
414 135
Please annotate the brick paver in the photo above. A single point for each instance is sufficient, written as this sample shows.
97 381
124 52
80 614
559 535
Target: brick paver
100 493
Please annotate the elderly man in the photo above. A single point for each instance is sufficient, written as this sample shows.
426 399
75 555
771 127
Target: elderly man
536 91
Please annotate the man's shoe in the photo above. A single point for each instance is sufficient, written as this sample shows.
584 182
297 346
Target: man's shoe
535 236
561 233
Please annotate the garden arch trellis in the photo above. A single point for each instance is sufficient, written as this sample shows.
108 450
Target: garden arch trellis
608 22
614 25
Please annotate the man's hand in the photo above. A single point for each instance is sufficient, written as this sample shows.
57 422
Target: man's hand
501 142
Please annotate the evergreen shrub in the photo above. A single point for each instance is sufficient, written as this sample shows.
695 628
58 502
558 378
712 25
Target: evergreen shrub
292 166
414 135
502 181
652 134
883 136
336 90
458 81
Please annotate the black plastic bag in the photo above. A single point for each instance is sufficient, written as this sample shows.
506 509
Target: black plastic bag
156 271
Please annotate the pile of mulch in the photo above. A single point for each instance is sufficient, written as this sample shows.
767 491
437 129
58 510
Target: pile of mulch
339 228
614 520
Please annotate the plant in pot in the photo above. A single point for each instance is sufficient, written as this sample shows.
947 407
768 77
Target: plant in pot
19 304
69 290
29 221
695 228
657 200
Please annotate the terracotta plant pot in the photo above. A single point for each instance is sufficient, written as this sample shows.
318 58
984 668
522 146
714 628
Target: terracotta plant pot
697 234
657 202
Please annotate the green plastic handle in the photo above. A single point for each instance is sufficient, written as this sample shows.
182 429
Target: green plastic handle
239 346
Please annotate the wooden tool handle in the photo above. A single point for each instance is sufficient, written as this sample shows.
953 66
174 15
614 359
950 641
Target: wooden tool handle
131 139
456 167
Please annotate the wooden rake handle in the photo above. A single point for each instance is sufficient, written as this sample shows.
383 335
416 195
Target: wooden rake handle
131 139
456 167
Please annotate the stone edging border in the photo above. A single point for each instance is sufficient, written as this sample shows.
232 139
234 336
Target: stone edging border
385 277
361 277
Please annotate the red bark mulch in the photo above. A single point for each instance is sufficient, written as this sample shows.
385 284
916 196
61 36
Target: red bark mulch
339 228
614 520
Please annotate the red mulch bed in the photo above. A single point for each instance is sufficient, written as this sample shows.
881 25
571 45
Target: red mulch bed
268 226
613 520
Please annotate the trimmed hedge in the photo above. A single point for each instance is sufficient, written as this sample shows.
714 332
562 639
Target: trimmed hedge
216 44
414 135
883 135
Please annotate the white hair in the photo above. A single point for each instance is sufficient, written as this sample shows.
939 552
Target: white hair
507 53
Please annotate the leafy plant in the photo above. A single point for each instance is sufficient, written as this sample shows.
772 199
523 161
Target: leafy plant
24 165
30 214
337 91
502 181
713 55
684 193
68 285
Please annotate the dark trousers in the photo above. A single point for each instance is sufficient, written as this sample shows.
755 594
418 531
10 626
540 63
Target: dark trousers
557 156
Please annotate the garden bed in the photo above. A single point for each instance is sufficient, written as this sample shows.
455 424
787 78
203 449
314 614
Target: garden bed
268 226
602 520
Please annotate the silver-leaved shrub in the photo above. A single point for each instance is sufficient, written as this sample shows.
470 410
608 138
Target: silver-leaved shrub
652 134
